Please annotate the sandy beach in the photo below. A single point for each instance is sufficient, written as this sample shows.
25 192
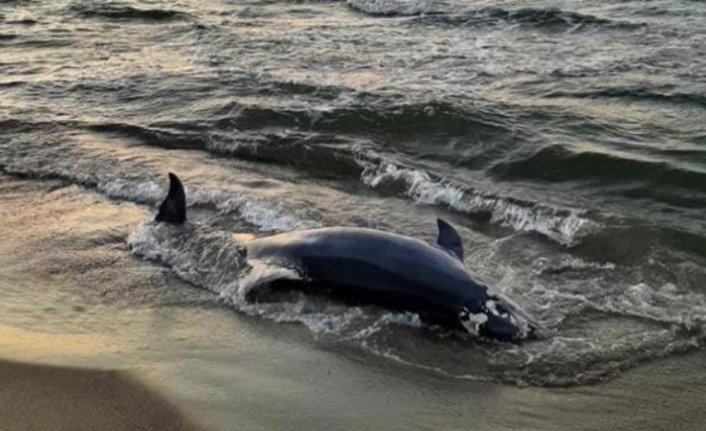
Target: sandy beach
42 397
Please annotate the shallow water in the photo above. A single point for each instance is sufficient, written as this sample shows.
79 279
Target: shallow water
564 139
73 294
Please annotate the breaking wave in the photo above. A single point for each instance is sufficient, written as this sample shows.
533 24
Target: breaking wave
143 189
314 154
328 155
565 226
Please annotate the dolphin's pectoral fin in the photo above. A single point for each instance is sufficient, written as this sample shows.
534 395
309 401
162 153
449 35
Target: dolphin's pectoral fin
173 209
263 279
449 239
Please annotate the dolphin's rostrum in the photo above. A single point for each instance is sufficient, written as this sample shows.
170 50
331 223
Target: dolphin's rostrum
373 267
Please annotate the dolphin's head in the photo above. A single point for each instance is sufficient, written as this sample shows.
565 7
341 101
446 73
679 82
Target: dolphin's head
497 317
487 313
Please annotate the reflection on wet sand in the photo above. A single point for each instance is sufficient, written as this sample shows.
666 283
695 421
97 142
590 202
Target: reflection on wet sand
16 341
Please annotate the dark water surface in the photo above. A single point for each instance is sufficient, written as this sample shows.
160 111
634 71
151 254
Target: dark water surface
565 139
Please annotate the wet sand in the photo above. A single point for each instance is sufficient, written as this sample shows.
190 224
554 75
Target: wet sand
42 397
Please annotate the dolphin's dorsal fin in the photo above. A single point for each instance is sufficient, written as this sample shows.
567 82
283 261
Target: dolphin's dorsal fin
173 209
449 239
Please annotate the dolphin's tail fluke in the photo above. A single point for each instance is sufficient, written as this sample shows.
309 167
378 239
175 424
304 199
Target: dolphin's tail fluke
173 209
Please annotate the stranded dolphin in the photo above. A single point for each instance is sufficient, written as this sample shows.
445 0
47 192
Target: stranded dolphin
372 267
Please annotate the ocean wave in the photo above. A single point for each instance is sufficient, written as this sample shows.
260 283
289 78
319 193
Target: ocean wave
641 93
363 117
393 8
372 117
117 11
142 189
330 156
565 226
325 155
23 21
266 216
56 42
558 163
549 19
347 159
156 136
9 84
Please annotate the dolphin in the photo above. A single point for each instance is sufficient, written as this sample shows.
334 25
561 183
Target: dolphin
373 267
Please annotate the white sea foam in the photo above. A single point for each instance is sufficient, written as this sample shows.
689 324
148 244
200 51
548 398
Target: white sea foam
264 215
576 360
565 226
136 191
665 304
267 216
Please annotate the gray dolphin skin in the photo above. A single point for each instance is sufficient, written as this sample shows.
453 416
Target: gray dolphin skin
372 267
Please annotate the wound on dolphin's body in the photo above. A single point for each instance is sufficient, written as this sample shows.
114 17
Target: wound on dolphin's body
173 209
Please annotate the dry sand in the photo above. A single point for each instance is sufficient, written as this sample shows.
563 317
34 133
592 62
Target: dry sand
40 397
